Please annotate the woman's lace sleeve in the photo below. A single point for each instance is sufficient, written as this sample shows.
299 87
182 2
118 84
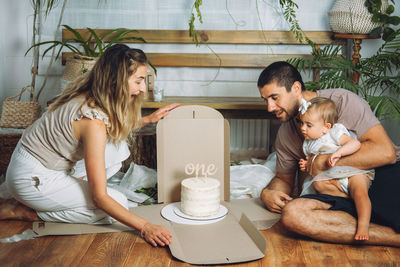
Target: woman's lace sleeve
91 113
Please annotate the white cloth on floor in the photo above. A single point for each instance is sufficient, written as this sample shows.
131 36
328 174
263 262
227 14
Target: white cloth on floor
136 177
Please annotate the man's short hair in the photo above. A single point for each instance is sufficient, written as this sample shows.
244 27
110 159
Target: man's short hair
281 72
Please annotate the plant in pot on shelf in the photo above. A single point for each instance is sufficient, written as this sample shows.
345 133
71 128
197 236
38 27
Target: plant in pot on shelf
85 48
379 82
372 17
379 77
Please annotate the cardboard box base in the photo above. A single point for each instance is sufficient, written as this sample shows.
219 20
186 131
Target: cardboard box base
255 211
231 240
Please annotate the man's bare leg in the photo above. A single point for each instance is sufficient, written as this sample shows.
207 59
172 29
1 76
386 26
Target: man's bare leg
10 209
312 218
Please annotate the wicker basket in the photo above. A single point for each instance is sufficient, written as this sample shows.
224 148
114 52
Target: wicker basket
75 67
19 114
351 16
143 148
7 146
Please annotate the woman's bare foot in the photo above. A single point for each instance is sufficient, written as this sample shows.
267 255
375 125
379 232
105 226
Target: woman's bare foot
10 209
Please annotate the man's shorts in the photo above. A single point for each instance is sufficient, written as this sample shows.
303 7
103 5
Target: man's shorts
384 194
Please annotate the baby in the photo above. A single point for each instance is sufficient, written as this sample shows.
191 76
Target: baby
323 135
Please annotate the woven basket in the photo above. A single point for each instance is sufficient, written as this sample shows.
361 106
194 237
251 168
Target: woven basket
351 16
8 143
75 67
19 114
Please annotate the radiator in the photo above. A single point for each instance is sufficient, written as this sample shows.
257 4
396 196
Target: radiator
249 138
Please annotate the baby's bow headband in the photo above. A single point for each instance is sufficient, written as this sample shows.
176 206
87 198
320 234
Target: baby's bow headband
304 106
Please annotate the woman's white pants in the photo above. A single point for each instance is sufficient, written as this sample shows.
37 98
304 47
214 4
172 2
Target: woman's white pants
59 196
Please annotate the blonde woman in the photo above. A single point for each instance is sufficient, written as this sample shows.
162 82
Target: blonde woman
100 108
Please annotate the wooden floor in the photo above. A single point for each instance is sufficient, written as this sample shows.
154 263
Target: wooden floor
127 249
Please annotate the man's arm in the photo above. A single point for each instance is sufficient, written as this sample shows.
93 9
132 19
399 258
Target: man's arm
376 150
276 194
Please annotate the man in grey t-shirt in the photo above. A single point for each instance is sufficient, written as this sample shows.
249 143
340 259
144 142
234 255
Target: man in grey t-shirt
317 216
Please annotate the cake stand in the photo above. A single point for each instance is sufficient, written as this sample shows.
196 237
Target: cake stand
172 212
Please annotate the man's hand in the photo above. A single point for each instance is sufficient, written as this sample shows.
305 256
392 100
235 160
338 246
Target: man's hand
274 200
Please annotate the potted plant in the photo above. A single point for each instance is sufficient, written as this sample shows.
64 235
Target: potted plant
379 79
85 49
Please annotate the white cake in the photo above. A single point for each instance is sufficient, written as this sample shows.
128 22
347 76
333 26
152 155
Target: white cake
200 197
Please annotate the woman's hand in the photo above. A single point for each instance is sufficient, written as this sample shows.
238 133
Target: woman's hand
158 114
155 234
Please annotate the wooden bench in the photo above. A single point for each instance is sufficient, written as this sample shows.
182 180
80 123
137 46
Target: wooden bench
230 107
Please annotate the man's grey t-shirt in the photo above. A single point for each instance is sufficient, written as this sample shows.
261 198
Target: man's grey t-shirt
353 112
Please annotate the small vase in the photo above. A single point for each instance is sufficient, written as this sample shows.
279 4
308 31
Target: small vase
352 16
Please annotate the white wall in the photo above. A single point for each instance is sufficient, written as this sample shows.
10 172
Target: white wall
16 25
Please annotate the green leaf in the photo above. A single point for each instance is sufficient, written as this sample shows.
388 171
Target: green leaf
388 34
390 9
376 31
394 20
98 45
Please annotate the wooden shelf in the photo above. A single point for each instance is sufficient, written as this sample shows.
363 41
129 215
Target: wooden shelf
245 103
255 107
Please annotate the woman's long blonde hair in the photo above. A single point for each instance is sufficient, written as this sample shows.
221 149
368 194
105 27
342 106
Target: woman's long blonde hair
106 87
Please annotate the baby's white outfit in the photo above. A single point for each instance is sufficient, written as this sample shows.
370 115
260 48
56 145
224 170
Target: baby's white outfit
329 143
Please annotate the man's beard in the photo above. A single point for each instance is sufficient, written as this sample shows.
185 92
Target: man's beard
291 113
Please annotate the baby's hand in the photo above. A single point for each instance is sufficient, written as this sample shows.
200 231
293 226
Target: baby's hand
303 164
333 159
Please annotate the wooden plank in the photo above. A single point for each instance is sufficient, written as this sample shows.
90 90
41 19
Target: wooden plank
283 248
324 254
217 37
219 60
55 254
375 255
143 254
230 107
244 103
394 253
23 253
109 249
211 60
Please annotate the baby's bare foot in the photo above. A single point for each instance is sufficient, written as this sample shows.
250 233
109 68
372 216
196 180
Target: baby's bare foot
362 233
